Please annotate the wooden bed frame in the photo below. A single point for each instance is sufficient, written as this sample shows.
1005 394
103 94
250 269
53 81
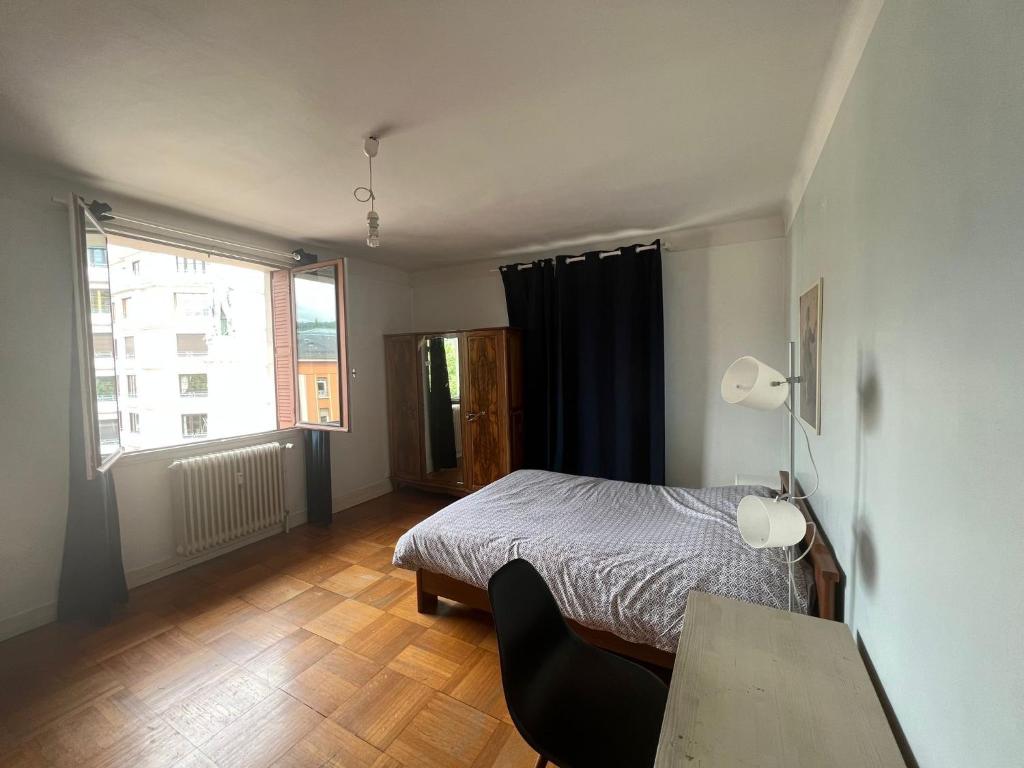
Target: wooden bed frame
828 602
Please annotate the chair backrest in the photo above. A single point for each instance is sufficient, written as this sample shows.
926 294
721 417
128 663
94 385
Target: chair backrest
528 624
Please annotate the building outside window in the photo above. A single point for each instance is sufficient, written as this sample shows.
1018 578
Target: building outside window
133 422
98 257
99 299
193 425
325 415
133 385
136 267
125 302
129 347
193 385
322 389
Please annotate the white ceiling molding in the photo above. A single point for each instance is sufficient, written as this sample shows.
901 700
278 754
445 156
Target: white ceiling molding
672 241
856 25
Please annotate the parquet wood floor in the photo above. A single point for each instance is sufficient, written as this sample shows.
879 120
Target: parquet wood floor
303 650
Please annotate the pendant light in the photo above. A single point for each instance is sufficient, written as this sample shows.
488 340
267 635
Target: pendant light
365 195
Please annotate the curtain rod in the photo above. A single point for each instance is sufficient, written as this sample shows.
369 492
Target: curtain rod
601 254
109 214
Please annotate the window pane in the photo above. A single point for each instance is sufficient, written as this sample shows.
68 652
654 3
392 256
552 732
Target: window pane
192 344
193 425
103 344
193 385
317 339
98 256
201 333
106 388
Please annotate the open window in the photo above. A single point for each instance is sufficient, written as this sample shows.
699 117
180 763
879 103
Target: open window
184 338
311 365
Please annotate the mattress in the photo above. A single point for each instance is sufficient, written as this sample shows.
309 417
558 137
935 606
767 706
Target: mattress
620 557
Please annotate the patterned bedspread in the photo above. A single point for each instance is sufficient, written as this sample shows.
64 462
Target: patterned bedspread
620 557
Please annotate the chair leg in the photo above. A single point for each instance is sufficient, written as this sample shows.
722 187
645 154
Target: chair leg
541 761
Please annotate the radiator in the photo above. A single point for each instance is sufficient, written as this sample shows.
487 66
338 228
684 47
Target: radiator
228 495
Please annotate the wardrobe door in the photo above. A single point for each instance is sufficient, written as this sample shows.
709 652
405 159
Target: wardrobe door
403 391
485 408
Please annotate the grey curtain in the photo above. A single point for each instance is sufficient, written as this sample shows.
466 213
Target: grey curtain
92 572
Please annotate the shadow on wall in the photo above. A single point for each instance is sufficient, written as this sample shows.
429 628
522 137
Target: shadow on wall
864 571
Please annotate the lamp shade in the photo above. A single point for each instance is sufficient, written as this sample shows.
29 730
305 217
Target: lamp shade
769 522
748 382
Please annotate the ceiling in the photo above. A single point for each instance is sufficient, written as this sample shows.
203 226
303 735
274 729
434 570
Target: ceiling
507 127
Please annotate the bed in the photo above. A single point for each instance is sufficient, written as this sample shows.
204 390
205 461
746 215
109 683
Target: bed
619 557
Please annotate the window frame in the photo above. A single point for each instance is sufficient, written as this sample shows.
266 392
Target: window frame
83 223
80 217
341 307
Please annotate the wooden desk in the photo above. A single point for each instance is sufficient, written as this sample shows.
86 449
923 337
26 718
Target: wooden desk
756 686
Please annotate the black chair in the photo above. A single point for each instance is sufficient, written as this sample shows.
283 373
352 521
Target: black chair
576 705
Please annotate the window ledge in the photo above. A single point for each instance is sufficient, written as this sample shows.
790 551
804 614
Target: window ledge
201 446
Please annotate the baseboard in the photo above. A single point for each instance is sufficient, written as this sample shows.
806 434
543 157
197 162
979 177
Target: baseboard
44 614
359 495
148 573
27 620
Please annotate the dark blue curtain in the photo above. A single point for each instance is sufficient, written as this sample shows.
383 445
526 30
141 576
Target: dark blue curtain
439 407
92 572
319 499
594 369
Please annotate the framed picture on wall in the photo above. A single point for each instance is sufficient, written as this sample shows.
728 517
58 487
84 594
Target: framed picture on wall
810 356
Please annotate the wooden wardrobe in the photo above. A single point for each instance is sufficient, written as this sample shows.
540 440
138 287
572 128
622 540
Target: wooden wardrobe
478 374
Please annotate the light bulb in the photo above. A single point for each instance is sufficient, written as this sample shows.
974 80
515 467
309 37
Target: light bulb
373 229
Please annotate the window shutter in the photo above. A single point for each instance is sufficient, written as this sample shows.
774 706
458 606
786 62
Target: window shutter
284 358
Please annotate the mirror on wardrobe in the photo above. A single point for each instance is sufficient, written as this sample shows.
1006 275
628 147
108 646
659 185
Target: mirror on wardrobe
442 416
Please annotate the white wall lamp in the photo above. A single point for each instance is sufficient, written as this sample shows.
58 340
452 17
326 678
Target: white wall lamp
770 522
366 195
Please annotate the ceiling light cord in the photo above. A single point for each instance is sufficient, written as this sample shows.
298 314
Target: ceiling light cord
366 195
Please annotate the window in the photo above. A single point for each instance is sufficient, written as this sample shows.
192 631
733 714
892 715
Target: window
237 323
193 305
317 294
103 344
109 431
190 265
193 385
98 257
99 300
192 344
106 388
193 425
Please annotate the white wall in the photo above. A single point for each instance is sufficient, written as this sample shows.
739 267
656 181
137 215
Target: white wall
913 216
721 302
35 313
